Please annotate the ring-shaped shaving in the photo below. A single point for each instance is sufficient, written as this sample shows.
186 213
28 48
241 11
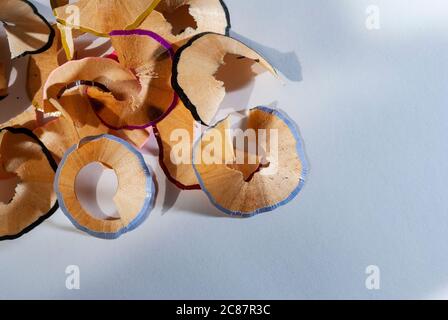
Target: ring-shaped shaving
136 189
204 179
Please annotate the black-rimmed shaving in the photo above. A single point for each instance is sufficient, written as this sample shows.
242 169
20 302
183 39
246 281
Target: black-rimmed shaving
50 37
180 92
236 47
53 165
79 83
227 12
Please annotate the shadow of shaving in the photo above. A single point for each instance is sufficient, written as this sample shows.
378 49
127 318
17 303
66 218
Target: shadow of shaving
198 204
195 204
66 228
286 62
172 193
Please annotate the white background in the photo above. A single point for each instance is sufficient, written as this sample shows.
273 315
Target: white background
372 109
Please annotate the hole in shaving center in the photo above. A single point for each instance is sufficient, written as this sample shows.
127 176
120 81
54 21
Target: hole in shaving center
8 187
248 162
250 158
95 188
248 170
236 72
180 19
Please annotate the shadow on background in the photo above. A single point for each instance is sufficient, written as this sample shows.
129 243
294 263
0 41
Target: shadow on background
287 63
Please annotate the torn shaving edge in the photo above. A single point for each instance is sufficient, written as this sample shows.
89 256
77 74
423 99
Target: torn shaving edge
53 166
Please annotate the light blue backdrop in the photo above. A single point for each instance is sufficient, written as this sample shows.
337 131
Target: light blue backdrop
372 107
